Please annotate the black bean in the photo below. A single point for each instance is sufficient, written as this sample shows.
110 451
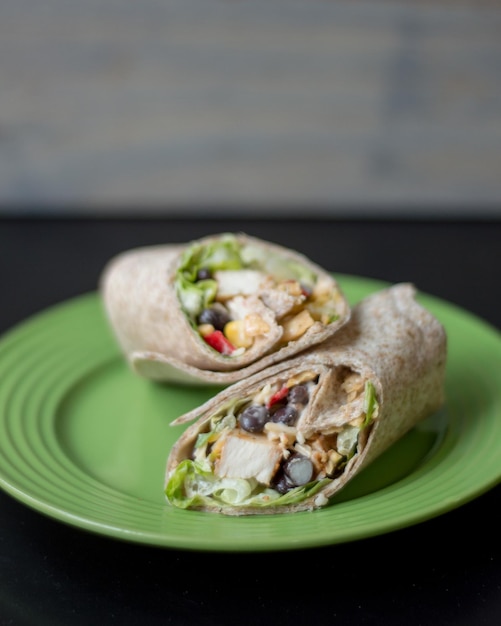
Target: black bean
281 482
253 418
299 394
285 415
204 273
299 469
217 316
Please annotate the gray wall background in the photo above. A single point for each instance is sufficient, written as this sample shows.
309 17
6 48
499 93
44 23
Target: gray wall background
269 106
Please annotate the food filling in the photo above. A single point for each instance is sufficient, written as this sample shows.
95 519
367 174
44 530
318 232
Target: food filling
234 293
253 451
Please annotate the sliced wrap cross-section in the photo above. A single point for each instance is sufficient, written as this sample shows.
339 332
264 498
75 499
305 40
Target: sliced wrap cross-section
218 309
290 437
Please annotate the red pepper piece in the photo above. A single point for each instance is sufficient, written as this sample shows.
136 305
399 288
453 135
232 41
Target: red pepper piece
277 396
218 341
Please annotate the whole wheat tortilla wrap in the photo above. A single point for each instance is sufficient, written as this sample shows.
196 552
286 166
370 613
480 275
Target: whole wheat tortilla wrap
294 435
217 309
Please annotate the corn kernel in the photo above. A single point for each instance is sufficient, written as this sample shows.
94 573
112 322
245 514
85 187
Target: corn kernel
234 331
206 329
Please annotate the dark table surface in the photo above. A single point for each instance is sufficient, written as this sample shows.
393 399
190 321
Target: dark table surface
444 571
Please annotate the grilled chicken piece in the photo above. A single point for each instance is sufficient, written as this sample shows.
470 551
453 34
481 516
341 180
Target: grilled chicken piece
282 299
243 455
233 282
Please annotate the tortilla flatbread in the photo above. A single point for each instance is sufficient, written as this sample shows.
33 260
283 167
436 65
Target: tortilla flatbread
278 302
289 438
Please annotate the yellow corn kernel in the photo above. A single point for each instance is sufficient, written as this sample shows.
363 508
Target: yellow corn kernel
234 331
254 325
206 329
296 326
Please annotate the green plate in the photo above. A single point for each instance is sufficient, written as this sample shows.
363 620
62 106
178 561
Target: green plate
83 440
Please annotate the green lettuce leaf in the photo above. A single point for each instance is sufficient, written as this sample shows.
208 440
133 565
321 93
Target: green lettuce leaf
191 485
371 405
223 254
228 254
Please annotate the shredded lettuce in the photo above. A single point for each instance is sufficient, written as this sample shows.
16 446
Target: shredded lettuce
227 253
194 295
224 420
191 485
193 482
371 405
223 254
347 440
280 267
227 414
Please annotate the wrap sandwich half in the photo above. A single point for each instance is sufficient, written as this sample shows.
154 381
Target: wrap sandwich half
289 438
217 309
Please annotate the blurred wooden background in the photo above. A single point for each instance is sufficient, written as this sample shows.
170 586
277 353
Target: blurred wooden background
119 106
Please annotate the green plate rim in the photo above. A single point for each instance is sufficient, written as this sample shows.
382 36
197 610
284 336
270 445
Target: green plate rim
32 459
